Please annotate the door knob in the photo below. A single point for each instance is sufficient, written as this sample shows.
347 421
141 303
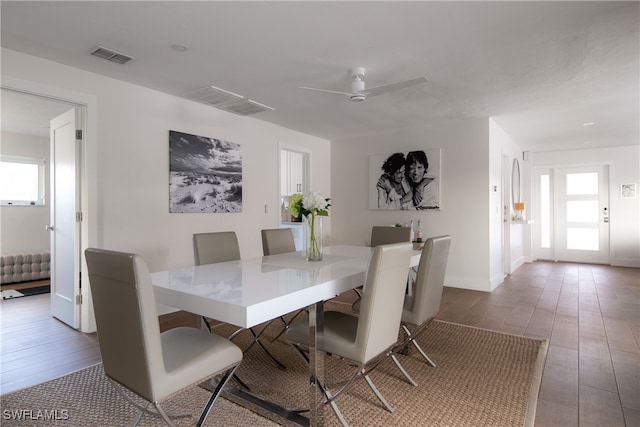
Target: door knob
48 227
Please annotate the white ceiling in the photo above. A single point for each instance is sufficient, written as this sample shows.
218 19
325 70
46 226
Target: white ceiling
541 69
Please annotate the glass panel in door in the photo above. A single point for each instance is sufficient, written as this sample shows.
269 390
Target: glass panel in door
582 217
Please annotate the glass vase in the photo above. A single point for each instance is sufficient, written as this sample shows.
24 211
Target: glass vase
313 239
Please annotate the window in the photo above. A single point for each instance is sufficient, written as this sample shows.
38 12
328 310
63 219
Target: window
545 211
21 181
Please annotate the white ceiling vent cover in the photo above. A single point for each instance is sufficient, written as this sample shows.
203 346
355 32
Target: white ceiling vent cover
213 96
111 55
246 107
227 101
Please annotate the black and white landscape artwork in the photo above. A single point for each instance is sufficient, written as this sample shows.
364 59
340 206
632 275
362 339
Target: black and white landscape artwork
205 174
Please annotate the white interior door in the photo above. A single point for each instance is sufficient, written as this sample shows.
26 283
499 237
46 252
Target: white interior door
582 215
65 218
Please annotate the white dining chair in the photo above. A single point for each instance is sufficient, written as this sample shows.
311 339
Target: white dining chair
279 241
135 354
363 340
420 309
383 235
210 248
221 246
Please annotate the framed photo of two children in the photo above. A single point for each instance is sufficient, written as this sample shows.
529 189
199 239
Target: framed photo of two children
405 180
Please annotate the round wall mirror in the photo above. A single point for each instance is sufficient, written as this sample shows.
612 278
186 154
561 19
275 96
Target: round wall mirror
515 182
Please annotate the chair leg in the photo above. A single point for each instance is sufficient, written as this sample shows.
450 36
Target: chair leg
330 397
287 324
145 409
206 322
377 392
429 361
358 292
364 373
346 385
242 383
237 331
163 414
214 395
140 414
256 339
284 322
359 372
411 338
334 406
404 371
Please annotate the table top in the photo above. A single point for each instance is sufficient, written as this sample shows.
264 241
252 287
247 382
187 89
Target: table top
250 291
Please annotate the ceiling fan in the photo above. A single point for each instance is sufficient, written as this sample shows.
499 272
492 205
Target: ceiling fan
358 92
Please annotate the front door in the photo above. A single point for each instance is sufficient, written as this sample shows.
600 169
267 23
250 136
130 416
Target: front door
65 218
582 215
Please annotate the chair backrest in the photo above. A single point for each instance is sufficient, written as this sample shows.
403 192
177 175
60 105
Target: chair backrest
429 281
126 319
277 241
382 299
210 248
381 235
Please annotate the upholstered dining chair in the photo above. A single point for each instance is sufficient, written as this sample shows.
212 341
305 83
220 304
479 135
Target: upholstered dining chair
383 235
279 241
222 246
210 248
135 354
367 339
420 309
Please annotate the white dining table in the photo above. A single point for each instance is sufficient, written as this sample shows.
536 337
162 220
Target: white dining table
251 291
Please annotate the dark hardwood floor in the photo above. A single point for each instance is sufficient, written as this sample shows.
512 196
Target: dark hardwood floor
591 316
35 347
589 313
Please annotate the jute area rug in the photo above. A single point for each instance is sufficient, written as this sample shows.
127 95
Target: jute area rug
482 378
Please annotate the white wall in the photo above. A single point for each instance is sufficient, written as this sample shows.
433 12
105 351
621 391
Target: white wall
514 239
127 162
134 195
497 244
465 190
624 218
22 227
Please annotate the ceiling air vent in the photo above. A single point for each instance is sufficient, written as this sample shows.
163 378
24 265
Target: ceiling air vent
111 55
213 96
246 107
227 101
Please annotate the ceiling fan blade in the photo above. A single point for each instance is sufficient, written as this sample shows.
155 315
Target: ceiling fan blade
325 90
395 86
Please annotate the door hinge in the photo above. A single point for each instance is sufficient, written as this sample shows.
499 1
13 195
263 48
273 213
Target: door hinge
79 299
78 216
79 134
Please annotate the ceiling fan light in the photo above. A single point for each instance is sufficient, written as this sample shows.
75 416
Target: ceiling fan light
357 86
358 97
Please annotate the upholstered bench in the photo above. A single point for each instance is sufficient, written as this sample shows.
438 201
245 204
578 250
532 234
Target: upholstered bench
25 266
